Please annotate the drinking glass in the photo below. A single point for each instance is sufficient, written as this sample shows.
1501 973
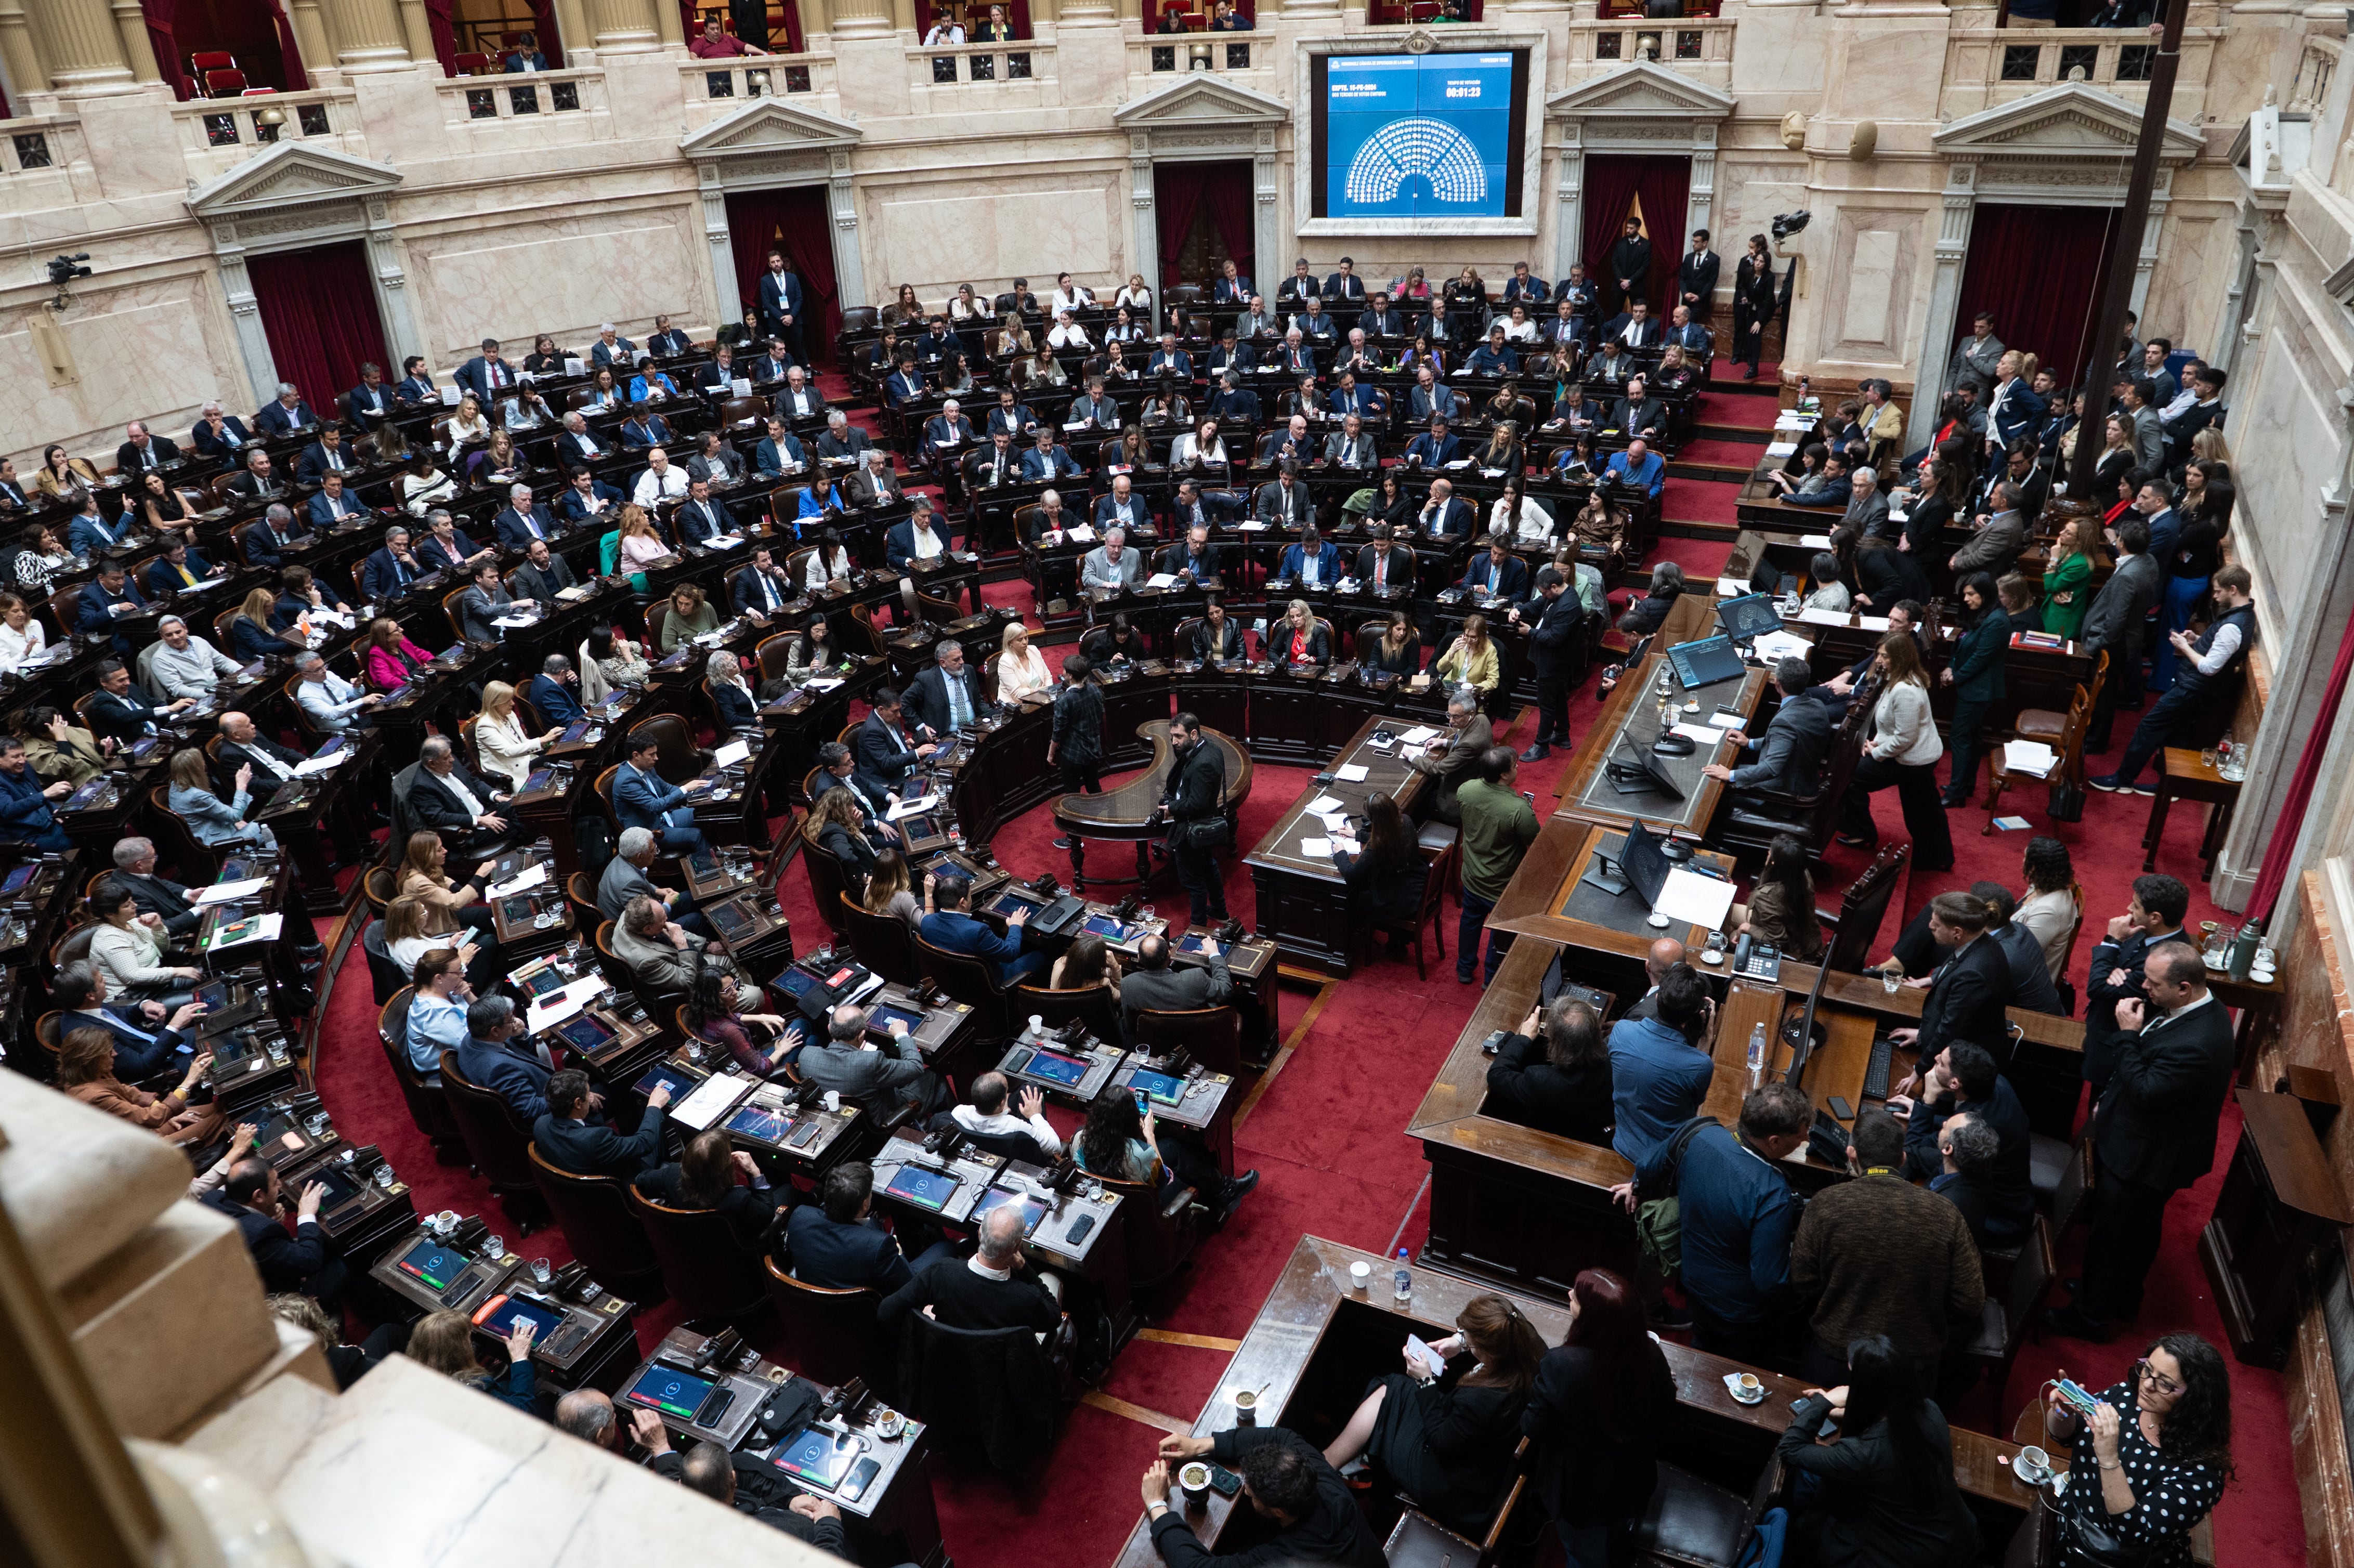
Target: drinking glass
540 1271
385 1177
494 1245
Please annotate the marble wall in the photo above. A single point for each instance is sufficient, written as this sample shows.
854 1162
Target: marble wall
563 276
1032 224
154 349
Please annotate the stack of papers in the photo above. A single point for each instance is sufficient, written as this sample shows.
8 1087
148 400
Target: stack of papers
2030 757
1350 772
310 765
226 892
1815 541
253 929
1161 580
715 1098
1782 645
1781 449
1080 531
1702 901
546 1013
1420 735
910 808
536 877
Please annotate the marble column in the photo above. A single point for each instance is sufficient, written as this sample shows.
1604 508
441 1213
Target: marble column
725 287
245 319
667 24
815 20
867 20
401 337
1141 201
84 50
416 30
312 38
1271 236
368 35
625 27
138 49
1090 13
572 26
1945 301
1569 198
17 54
903 16
849 264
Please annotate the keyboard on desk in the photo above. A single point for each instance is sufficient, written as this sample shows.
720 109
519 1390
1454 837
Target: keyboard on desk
1875 1071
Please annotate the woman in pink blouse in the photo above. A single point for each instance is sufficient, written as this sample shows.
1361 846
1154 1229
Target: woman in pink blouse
393 660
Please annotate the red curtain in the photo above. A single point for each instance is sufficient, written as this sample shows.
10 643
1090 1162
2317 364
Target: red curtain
2039 271
1613 187
551 42
1231 190
797 222
290 54
1176 197
2274 875
318 308
159 15
444 35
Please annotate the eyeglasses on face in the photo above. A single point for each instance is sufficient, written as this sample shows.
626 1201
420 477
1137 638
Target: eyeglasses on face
2157 1379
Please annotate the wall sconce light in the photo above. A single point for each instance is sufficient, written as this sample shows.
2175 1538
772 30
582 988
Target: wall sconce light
268 124
1197 57
1864 142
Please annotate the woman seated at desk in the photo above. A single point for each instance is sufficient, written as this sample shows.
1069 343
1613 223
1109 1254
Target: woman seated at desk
1647 614
1528 521
814 653
829 563
640 547
889 891
449 905
1167 406
1299 638
1781 907
1885 1495
1828 592
406 939
761 1043
1129 455
691 615
731 699
424 486
1392 505
1120 1144
1116 641
393 661
86 1073
619 661
466 427
216 822
130 948
604 390
1218 636
1086 963
1568 1092
1200 447
502 743
1385 878
1445 1437
254 632
1398 649
836 825
59 753
817 499
501 462
444 1342
1603 1402
40 558
703 1181
163 508
1471 660
1021 669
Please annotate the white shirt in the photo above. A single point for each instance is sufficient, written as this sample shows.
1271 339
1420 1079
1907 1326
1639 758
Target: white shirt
945 33
1078 299
2219 653
929 543
820 571
465 796
1630 333
1132 299
1067 336
670 483
330 702
16 647
1520 332
1003 1124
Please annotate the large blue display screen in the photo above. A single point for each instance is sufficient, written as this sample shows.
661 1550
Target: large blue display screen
1418 135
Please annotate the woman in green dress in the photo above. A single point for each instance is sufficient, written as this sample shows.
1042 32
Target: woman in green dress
2067 582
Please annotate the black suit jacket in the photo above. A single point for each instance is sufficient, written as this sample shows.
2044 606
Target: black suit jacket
299 1263
2156 1120
843 1257
883 756
156 894
160 447
265 783
125 718
2114 975
928 696
531 582
1965 1003
592 1149
432 803
960 1298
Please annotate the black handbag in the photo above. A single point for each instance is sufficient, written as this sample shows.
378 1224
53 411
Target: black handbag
2066 802
2088 1543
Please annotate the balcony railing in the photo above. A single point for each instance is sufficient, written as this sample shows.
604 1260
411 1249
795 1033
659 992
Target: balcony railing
711 89
2314 70
1987 66
1019 74
1689 44
218 134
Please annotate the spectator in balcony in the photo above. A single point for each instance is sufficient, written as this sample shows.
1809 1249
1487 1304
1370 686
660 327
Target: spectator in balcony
715 45
998 29
945 30
525 55
1227 19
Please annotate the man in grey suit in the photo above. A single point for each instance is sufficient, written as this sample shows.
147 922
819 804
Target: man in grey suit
661 953
485 603
1351 447
1455 756
1975 357
878 1078
1995 547
625 881
1867 508
2147 430
1157 986
2115 622
1111 564
1283 502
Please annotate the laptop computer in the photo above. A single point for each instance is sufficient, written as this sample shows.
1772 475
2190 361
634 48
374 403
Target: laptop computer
1750 616
1704 662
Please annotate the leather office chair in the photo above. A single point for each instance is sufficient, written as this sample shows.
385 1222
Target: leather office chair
2062 1175
611 965
831 1334
826 887
593 1212
884 943
387 976
580 892
1419 1540
860 318
772 655
498 1141
713 1278
968 980
2003 1322
605 797
1691 1523
305 727
734 411
1755 818
379 886
2067 742
1211 1036
1095 1006
450 610
1011 1413
676 756
2036 1542
1163 1229
1860 909
198 863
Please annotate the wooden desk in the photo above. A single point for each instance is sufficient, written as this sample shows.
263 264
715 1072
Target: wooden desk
1126 812
2185 774
1303 902
1547 898
1631 716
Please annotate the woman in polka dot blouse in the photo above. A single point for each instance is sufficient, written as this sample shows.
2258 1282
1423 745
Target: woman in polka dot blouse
2150 1462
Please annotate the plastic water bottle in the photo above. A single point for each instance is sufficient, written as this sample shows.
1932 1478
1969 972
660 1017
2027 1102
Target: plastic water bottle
1401 1287
1756 1053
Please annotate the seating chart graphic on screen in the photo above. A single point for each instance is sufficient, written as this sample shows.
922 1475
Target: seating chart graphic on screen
1419 135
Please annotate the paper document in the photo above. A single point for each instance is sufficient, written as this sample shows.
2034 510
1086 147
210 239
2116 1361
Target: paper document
254 928
723 541
1731 588
1252 526
1702 901
2028 756
1782 645
1323 803
1161 580
509 623
1815 541
1351 772
1700 732
536 877
822 682
1823 616
310 765
1315 849
1082 531
1420 735
1781 449
910 808
712 1099
729 754
225 892
546 1013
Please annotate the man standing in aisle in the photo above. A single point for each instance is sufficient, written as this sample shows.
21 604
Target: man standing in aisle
1553 619
1193 804
1497 829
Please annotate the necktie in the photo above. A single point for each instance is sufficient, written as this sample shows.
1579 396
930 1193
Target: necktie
498 373
959 704
1381 568
768 591
335 459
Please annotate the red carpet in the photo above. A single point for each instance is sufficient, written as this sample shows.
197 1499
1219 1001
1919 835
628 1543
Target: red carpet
1325 1135
1699 501
1741 454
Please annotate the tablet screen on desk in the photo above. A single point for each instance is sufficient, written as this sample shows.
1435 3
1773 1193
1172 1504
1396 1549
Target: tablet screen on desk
1057 1068
798 983
543 981
673 1392
680 1081
1192 942
21 876
885 1014
432 1264
1106 926
928 1189
587 1033
733 922
1160 1086
762 1123
818 1457
1010 903
514 1309
1032 1211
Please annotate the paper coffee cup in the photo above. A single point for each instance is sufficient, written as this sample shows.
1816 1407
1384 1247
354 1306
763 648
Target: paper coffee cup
1361 1276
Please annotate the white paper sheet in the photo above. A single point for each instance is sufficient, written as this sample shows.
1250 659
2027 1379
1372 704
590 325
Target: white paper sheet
521 882
1781 449
1323 803
266 931
1082 531
225 892
310 765
910 808
1815 541
1420 735
1315 849
1823 616
1731 588
1351 772
2028 756
729 754
1161 580
1782 645
1702 901
556 1007
1700 732
712 1099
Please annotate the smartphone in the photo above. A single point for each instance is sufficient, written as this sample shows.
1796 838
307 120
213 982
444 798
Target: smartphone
2074 1394
1225 1482
1143 1104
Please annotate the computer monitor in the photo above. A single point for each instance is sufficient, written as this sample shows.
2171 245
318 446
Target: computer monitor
1705 662
1751 615
1644 860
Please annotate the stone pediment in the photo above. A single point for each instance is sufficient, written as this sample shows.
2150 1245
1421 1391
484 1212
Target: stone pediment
292 174
771 125
2070 121
1200 100
1642 91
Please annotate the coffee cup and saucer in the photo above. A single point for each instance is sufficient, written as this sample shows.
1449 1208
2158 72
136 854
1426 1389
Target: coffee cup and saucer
2032 1465
1744 1388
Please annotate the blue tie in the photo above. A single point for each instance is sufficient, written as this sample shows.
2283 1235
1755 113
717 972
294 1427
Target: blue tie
959 704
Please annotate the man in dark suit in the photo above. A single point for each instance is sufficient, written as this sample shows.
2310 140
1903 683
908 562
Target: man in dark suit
259 478
836 1244
285 414
884 754
837 769
525 55
2153 1132
1629 265
556 691
1636 326
643 798
485 603
416 386
914 539
244 745
134 867
1966 994
1963 1081
1554 620
1790 753
1384 563
799 399
2207 409
218 435
781 302
567 1139
488 1061
177 567
522 519
946 696
998 1289
269 541
124 711
1192 554
762 588
2153 915
386 573
875 483
769 369
588 497
332 506
303 1264
450 800
543 574
667 342
953 928
370 400
326 455
1434 449
1496 572
144 1043
97 613
487 374
1696 276
141 451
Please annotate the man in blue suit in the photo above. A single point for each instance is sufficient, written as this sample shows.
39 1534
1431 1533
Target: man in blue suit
326 455
1171 359
588 497
1430 397
25 801
1047 460
780 452
781 302
331 507
91 535
371 399
145 1045
1635 326
555 692
95 616
416 386
1437 449
642 798
177 567
611 348
522 519
1443 517
915 539
1345 292
1498 574
884 757
287 414
1349 398
524 56
1525 288
488 1061
1232 288
1313 550
837 1245
1234 401
486 375
952 931
218 435
387 574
